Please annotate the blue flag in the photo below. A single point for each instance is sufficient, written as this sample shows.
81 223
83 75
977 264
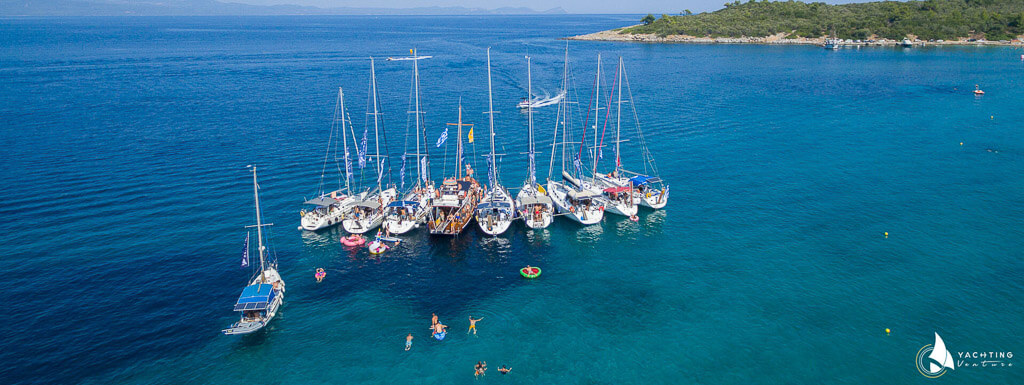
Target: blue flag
490 171
577 164
245 253
348 168
443 137
380 170
423 169
533 170
401 173
362 150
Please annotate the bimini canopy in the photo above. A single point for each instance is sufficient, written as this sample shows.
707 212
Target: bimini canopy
255 297
534 200
612 190
411 204
585 194
368 204
322 201
640 180
494 205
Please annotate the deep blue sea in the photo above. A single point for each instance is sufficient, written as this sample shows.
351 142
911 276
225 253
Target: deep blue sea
124 195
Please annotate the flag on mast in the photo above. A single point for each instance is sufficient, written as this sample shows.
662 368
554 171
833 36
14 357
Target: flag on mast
471 134
443 137
245 253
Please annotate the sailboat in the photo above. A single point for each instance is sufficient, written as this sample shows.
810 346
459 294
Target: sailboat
368 213
329 208
578 204
615 200
496 210
648 189
534 204
452 205
403 215
260 300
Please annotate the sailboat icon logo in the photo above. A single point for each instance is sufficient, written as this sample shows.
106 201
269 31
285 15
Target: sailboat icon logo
934 359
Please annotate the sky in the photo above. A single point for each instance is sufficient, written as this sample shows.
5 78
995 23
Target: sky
571 6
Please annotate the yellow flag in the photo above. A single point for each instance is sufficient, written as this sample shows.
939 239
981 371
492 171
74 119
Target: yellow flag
471 134
410 51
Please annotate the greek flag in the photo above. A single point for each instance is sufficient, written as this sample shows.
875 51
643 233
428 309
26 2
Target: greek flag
423 169
401 174
443 137
362 150
245 253
380 170
577 164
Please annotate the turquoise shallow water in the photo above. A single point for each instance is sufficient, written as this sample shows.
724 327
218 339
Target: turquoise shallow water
124 143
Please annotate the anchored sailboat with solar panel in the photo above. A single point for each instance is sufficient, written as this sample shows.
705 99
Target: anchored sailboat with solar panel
575 202
496 210
402 216
261 299
532 200
329 208
645 187
368 213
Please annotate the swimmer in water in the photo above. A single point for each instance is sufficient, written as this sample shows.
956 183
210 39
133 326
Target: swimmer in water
433 319
504 370
472 325
408 342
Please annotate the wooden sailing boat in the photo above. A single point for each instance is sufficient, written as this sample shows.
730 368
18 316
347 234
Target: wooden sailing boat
453 203
496 210
260 300
646 187
368 213
329 208
535 206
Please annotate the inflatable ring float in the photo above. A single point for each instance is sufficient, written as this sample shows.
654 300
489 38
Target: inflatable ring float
440 336
378 247
530 272
353 240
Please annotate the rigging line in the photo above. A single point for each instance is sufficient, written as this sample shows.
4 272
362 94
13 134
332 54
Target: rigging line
609 111
648 157
586 121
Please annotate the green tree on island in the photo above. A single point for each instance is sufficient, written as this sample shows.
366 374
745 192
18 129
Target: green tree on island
929 19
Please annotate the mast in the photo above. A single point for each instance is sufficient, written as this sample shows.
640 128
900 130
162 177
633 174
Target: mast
259 224
416 77
490 114
529 112
458 148
597 116
344 140
618 123
562 106
376 139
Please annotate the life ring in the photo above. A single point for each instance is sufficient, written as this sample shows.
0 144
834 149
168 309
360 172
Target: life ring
440 336
530 272
634 218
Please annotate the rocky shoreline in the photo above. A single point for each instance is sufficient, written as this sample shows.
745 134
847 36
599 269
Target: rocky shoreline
780 38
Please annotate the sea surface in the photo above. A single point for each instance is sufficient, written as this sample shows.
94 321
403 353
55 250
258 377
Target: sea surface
124 194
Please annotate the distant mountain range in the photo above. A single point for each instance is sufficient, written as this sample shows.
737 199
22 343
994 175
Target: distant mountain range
215 8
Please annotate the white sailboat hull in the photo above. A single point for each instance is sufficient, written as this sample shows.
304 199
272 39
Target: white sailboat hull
326 217
369 221
495 222
397 224
582 215
619 208
535 215
655 199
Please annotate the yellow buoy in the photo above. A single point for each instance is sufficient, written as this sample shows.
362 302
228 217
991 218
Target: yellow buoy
887 331
887 234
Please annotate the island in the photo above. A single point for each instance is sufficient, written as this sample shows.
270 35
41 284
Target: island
983 22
